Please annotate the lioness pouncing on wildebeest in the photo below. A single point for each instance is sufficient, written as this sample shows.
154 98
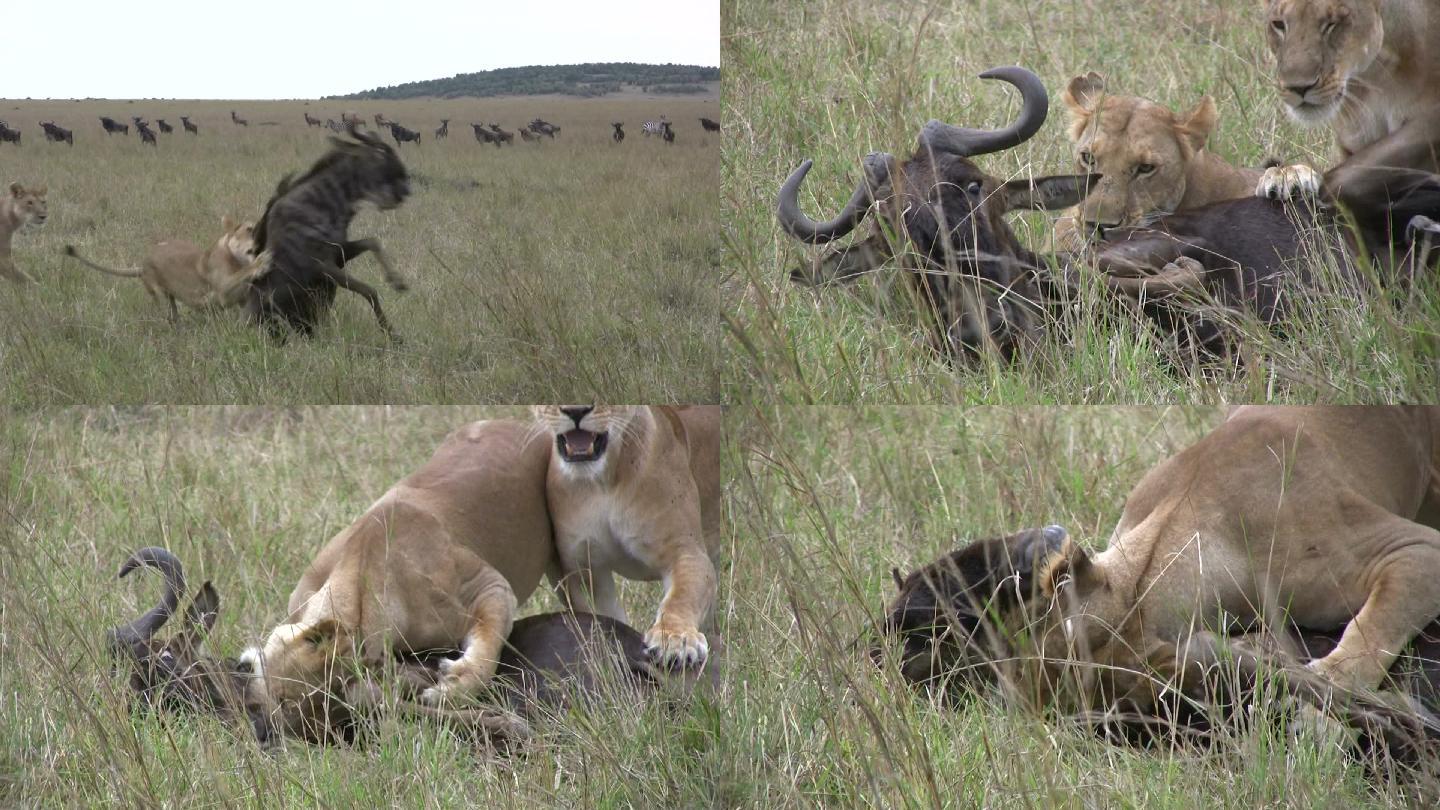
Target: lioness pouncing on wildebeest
440 561
20 208
305 227
179 270
1320 517
635 491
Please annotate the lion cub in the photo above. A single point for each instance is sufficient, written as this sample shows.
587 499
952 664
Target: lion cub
176 269
635 491
21 208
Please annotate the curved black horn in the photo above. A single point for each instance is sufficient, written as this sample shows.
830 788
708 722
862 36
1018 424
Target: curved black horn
787 206
942 137
169 567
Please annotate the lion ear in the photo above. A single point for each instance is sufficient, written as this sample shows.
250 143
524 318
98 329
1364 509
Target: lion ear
1083 94
16 189
1064 561
321 634
1197 125
226 223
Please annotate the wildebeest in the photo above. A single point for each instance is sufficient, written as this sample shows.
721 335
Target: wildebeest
484 135
443 131
147 135
401 134
710 125
112 126
56 134
668 134
548 660
305 228
985 289
543 127
619 131
164 127
529 136
189 127
237 120
8 135
310 121
502 135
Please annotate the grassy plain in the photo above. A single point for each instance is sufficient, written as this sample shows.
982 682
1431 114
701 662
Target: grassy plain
575 268
834 79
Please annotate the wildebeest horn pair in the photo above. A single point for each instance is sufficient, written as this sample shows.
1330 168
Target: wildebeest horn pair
937 136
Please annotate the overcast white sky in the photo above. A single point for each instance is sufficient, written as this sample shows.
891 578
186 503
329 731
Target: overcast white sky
303 49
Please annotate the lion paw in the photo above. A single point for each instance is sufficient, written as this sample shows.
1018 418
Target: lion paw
681 648
1284 182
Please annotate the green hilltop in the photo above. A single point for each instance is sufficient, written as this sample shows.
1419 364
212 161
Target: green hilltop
587 80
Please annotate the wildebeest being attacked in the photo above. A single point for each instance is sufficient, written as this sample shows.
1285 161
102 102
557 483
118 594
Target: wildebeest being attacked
305 227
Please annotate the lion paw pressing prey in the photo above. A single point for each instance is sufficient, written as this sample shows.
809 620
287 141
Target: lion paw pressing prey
1286 182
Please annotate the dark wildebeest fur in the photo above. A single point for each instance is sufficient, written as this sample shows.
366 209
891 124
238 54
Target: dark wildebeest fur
668 134
504 136
189 127
619 131
165 129
484 135
710 125
443 131
401 134
964 623
984 288
305 227
112 126
57 134
310 120
8 135
237 120
147 135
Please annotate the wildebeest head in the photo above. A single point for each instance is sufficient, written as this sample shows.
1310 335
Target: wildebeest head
954 618
375 171
969 265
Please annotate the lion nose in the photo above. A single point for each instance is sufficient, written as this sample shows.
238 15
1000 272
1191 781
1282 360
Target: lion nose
1300 89
576 412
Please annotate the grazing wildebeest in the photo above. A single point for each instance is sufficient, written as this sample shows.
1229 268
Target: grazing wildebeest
55 134
165 128
189 127
985 289
237 120
668 134
619 131
484 135
305 228
529 136
502 135
710 125
548 661
401 134
310 121
112 126
443 131
147 135
8 135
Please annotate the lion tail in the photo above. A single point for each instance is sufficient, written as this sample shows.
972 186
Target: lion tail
74 254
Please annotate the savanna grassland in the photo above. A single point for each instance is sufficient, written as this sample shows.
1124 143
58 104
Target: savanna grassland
246 497
569 269
835 79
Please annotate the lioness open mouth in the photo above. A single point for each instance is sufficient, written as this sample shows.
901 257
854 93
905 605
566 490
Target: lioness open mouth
581 445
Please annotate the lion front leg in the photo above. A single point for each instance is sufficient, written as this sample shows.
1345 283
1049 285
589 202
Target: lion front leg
10 271
690 585
492 615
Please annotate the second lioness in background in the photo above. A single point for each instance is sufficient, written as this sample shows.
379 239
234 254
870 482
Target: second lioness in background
635 491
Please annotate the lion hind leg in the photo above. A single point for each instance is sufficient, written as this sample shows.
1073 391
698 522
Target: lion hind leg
1403 599
491 617
690 586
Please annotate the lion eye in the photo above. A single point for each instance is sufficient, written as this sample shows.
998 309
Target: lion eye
1087 159
1144 169
1278 26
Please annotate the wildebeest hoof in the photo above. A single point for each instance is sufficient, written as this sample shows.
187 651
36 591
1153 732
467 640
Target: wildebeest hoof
676 648
1284 182
1420 225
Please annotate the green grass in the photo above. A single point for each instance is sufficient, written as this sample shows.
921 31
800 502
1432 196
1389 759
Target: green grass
822 502
572 269
835 79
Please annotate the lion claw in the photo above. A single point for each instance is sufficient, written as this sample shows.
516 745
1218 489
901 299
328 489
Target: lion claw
682 648
1285 182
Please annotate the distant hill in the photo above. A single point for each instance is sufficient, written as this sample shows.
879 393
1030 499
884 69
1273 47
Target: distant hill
588 80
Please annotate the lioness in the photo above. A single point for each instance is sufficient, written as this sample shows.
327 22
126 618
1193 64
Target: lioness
1152 162
176 269
1371 70
636 491
441 561
21 208
1322 516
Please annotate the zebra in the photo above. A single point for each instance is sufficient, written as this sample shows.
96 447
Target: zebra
654 127
333 125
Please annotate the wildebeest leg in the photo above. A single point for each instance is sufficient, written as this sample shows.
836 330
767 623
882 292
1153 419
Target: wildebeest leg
346 281
349 250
